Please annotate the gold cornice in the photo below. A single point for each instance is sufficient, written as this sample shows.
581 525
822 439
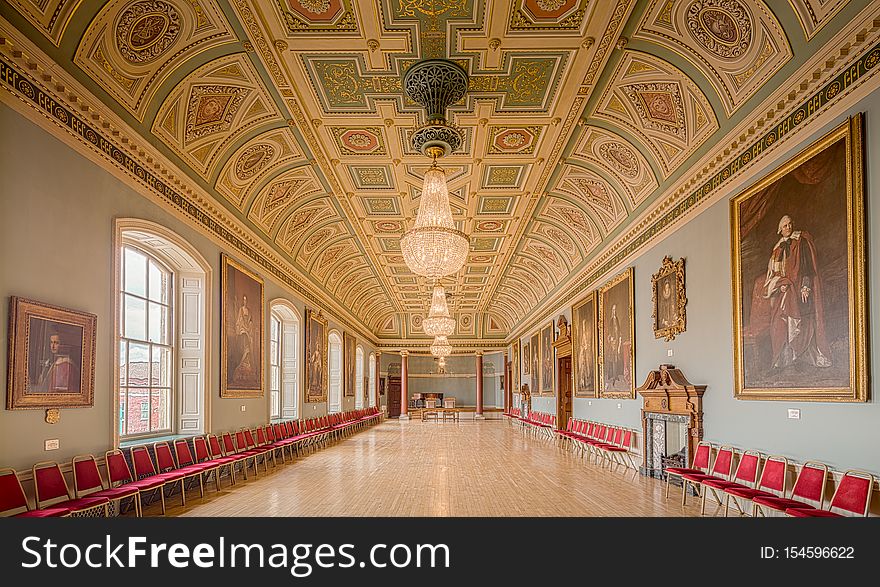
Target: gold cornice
837 55
51 79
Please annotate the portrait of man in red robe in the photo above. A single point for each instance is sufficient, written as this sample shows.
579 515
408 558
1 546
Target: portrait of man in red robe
787 303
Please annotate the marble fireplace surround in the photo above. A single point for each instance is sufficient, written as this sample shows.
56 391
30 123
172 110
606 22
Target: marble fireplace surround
669 398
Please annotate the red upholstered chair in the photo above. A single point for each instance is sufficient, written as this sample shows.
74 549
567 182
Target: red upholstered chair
250 444
87 481
186 461
745 477
217 452
808 491
851 498
14 503
772 484
51 490
700 464
119 475
145 469
263 443
166 464
621 451
721 470
203 455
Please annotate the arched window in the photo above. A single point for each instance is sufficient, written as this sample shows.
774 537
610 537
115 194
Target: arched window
283 361
161 341
359 379
371 400
335 400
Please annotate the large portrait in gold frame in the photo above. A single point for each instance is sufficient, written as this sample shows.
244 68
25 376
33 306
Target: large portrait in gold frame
668 299
51 356
797 246
515 366
583 346
535 363
547 360
316 357
617 354
349 351
241 338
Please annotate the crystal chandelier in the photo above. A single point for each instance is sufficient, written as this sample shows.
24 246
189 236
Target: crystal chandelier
438 321
434 248
441 347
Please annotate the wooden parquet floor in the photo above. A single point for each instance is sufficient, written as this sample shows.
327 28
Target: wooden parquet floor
469 468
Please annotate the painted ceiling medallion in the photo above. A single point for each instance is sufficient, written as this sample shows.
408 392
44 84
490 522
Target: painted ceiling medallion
721 26
659 106
490 226
314 6
621 158
211 109
253 160
146 30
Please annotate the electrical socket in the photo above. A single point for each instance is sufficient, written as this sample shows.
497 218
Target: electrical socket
668 352
619 405
794 414
243 408
51 444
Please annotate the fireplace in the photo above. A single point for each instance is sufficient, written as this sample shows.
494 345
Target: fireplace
672 420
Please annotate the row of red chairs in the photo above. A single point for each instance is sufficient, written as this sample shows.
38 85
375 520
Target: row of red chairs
611 444
538 422
244 449
766 492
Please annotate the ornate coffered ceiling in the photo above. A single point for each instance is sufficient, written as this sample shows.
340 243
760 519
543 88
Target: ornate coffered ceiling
580 116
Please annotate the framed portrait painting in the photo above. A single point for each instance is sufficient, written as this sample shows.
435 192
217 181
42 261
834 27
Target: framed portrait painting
797 245
515 366
535 363
668 299
617 337
547 365
241 338
348 358
527 359
51 356
583 349
316 357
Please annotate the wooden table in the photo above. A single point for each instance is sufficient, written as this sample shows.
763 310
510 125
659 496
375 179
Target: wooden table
445 413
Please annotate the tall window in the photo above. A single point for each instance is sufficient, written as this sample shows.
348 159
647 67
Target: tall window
335 400
146 348
283 363
371 401
359 379
161 341
274 366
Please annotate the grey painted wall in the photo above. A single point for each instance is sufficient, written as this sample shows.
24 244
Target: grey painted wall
56 233
842 435
458 382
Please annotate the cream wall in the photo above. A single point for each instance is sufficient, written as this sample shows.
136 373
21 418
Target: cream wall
842 435
56 234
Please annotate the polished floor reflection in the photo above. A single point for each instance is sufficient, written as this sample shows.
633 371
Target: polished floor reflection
487 468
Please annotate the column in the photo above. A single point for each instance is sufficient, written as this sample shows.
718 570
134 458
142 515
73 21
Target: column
404 388
479 413
508 383
376 379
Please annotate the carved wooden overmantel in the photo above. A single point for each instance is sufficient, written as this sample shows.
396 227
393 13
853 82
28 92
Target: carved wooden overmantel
562 344
667 391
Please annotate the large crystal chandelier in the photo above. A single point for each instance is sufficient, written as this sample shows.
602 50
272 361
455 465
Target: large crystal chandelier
441 347
434 248
438 321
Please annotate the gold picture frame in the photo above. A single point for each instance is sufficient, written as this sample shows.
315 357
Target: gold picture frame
535 360
349 352
800 231
668 299
241 335
516 368
51 356
584 345
617 352
527 359
547 362
316 376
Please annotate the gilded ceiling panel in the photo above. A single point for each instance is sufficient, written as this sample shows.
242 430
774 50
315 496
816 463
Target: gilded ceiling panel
50 17
210 108
656 102
738 44
131 48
